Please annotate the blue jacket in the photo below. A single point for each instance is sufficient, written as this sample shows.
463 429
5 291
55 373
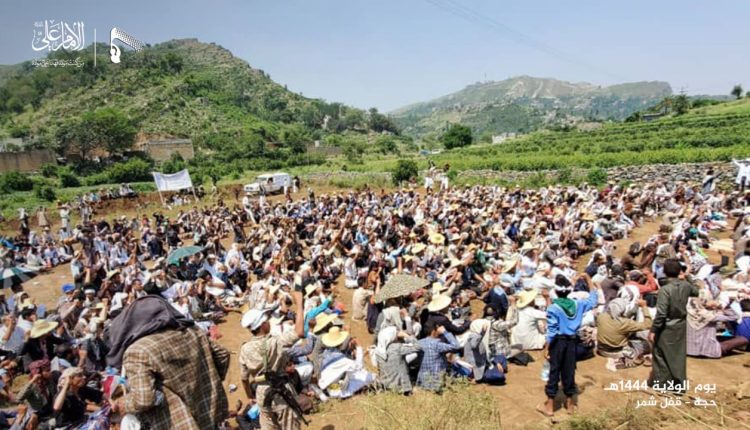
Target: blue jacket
558 323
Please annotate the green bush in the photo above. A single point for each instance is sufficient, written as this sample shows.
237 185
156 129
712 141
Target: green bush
15 181
45 192
134 170
564 176
457 136
405 170
49 170
96 179
69 180
596 176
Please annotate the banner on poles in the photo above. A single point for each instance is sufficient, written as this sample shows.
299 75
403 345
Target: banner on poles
173 182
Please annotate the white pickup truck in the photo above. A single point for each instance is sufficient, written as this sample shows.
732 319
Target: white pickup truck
272 183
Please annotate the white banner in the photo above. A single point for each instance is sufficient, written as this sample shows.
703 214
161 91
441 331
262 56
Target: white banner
174 182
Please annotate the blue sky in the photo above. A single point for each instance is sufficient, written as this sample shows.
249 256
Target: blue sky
388 53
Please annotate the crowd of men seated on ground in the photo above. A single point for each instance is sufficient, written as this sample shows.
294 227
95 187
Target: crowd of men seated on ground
492 260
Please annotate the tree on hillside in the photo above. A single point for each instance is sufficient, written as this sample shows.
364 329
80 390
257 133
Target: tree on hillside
110 128
457 136
405 170
379 122
386 144
737 91
107 128
681 104
295 138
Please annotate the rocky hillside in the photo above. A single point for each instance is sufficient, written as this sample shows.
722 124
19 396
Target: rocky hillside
524 103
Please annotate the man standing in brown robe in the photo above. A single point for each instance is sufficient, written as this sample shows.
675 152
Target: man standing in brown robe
670 328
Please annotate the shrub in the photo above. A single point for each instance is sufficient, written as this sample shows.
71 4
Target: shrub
405 170
174 164
134 170
45 192
457 136
15 181
564 176
596 176
97 179
69 180
49 170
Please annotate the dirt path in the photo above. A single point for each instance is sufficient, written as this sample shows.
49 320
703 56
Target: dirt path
516 400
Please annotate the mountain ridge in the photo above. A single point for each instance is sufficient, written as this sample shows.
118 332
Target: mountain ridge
180 88
524 103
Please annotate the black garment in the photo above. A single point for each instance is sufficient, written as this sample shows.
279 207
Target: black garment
442 320
562 365
96 355
610 288
74 408
591 269
36 348
146 315
173 238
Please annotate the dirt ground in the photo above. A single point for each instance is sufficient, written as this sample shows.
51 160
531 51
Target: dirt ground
516 400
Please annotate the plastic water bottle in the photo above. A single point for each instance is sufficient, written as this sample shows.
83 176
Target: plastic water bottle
318 392
545 371
254 412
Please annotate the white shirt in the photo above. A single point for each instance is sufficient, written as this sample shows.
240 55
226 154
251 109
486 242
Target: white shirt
15 341
527 332
743 171
24 325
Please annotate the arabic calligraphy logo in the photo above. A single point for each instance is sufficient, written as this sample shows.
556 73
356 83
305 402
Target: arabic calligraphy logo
114 50
53 35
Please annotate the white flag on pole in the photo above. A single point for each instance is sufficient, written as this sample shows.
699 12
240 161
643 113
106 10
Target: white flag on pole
173 182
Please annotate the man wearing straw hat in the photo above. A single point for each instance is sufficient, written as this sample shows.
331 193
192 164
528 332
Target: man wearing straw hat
263 362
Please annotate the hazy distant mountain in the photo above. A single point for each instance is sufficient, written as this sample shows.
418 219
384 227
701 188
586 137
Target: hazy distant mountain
524 103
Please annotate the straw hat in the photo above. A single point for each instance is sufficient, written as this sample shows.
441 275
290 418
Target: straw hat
527 246
438 288
322 320
112 273
525 297
437 239
438 303
310 289
509 265
42 327
334 337
416 249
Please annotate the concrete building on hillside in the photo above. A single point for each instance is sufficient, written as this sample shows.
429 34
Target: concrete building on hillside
162 149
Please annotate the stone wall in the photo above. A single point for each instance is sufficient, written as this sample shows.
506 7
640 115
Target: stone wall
26 161
162 151
651 172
